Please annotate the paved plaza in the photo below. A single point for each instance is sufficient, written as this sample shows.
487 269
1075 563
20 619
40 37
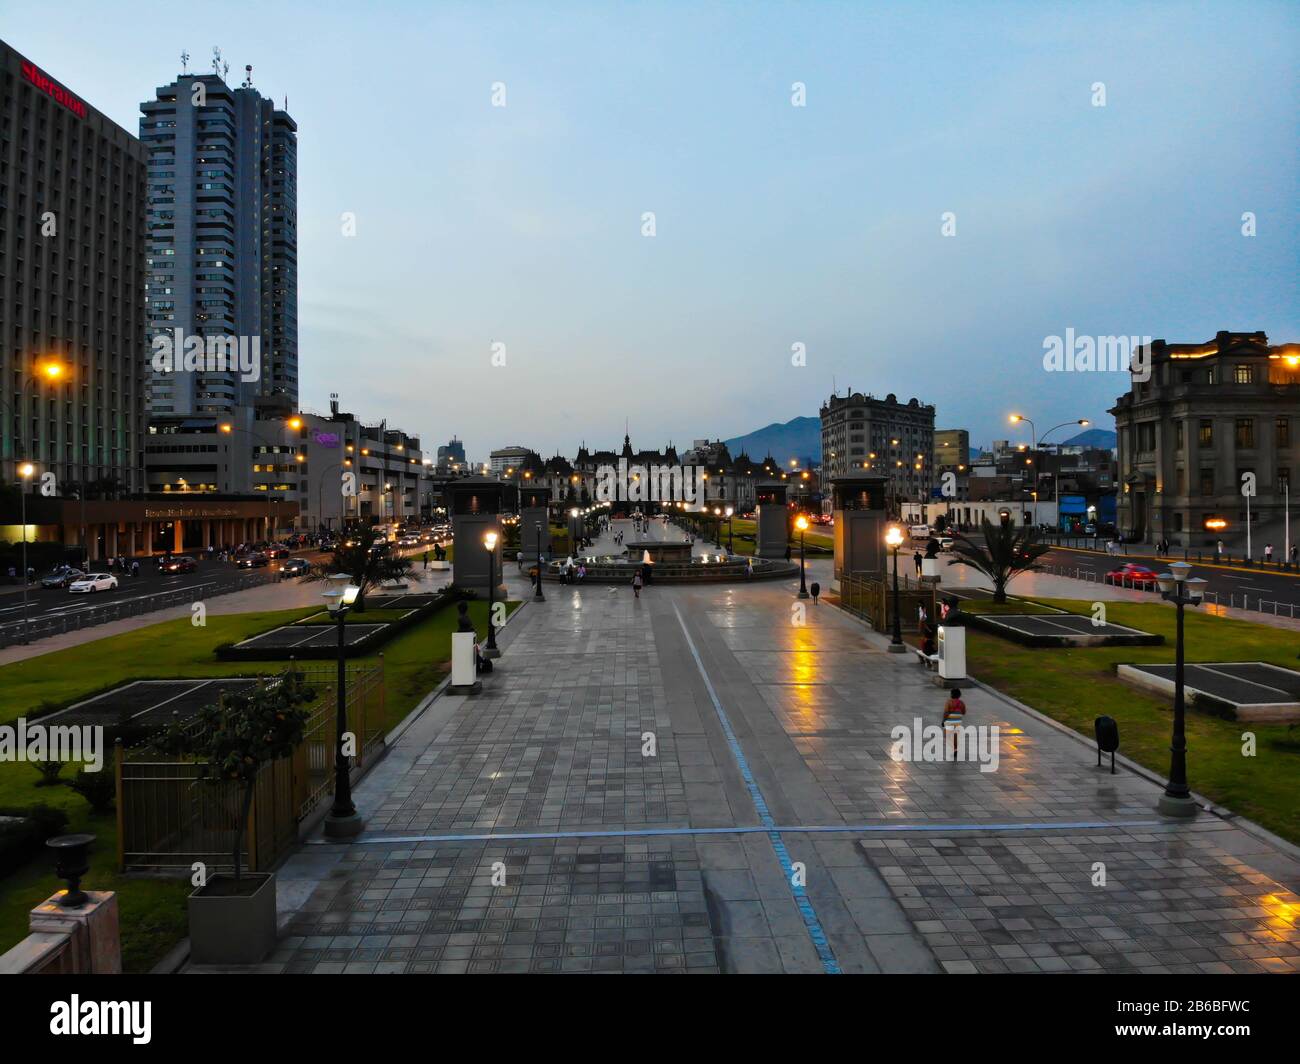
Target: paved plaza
528 829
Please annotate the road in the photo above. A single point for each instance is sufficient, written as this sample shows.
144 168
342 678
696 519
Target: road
1230 583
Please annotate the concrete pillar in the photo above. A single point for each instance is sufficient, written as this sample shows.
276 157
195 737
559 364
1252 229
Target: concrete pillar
207 533
178 537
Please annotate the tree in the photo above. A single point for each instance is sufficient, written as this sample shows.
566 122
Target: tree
1005 553
240 735
367 565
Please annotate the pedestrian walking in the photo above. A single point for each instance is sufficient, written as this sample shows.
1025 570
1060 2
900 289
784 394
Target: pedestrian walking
1218 548
1268 552
135 568
636 584
954 715
814 589
917 559
426 559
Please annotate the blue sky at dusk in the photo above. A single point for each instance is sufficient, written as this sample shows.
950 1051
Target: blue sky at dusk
775 224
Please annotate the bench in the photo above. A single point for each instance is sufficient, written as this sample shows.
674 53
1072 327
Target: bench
930 661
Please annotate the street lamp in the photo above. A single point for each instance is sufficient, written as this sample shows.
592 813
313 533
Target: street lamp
894 538
490 542
801 523
342 820
25 471
1175 587
537 595
730 541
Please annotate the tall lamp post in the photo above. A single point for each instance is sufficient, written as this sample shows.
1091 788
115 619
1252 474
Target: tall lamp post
730 542
25 471
490 542
801 523
894 539
342 821
1035 441
537 595
1175 587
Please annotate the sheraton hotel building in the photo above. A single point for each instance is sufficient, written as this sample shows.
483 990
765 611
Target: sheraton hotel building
74 376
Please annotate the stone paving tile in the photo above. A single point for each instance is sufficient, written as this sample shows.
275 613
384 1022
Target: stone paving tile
1171 902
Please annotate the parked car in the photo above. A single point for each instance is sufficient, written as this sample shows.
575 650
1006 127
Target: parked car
178 563
295 567
1090 529
61 576
92 582
253 560
1131 575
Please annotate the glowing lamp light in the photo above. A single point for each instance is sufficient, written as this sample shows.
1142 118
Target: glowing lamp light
295 422
894 536
1215 524
490 540
26 470
801 523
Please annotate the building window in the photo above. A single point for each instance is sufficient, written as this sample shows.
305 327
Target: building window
1205 433
1283 431
1243 374
1210 375
1178 521
1180 481
1245 432
1207 481
1178 435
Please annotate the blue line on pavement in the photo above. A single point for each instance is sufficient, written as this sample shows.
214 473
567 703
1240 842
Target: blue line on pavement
801 899
855 829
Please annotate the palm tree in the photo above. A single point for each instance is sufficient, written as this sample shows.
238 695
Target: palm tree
1006 552
367 567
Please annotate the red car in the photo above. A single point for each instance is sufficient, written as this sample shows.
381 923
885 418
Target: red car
1130 575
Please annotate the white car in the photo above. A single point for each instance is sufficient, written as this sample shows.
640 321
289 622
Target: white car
93 582
920 531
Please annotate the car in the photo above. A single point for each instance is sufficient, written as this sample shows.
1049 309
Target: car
1090 529
945 542
61 576
276 550
253 560
409 541
1131 575
178 563
295 567
92 582
920 531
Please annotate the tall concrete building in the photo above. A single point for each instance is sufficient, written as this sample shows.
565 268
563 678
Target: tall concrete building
72 256
1211 417
861 432
223 248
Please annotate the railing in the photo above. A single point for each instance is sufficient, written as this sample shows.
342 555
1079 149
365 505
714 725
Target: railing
169 817
871 599
1261 605
1101 545
44 627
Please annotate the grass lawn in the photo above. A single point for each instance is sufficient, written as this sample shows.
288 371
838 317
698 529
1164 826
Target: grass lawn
152 910
1077 685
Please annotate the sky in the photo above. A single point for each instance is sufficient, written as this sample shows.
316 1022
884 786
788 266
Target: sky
519 231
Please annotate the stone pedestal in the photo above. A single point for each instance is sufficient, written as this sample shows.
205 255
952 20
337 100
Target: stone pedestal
772 522
860 524
470 566
529 518
96 942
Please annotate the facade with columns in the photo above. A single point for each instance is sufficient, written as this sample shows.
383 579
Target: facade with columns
143 527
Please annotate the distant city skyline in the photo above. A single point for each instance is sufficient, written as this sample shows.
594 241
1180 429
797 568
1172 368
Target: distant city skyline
775 225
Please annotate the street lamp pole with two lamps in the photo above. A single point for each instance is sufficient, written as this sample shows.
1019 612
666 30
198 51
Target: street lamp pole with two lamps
342 821
1175 587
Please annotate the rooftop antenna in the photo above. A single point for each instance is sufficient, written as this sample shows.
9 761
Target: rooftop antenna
248 76
185 62
216 60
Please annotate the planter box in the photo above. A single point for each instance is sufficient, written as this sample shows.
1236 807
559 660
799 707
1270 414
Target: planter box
227 928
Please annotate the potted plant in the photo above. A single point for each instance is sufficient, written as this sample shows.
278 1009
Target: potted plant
233 917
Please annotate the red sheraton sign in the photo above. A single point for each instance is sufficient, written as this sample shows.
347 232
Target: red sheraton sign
53 89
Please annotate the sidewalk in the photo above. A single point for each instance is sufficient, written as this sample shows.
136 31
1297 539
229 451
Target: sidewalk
768 829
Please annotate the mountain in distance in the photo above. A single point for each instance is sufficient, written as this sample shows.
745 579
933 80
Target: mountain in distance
1103 438
799 438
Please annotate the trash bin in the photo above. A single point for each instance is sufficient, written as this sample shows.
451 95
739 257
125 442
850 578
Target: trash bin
1107 739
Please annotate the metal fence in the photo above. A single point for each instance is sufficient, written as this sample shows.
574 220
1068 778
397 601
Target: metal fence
43 627
169 817
1279 564
872 599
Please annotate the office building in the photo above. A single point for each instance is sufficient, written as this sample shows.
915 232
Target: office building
885 436
72 257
